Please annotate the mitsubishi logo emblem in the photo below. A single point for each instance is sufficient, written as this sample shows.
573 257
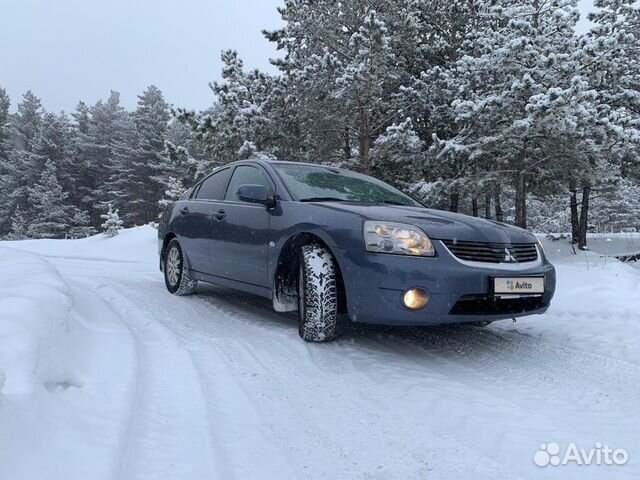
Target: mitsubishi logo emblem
508 257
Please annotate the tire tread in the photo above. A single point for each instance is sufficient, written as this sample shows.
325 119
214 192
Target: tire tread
321 295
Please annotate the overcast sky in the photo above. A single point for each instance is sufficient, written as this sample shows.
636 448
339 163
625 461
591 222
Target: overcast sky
70 50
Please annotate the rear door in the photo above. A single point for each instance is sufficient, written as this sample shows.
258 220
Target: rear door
197 219
240 247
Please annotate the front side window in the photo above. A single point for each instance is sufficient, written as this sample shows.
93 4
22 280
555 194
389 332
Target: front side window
309 183
245 175
213 187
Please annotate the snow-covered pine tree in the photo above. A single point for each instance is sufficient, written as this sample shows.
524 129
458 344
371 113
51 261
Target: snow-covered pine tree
523 102
173 192
340 60
22 166
138 170
5 103
108 136
242 97
82 151
444 34
5 183
26 121
609 61
184 155
19 225
52 216
242 113
112 222
81 224
55 143
397 154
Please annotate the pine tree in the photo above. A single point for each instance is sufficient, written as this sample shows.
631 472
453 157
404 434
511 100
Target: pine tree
108 140
173 192
19 226
242 114
5 181
52 216
22 166
82 148
5 103
112 223
397 154
27 121
535 106
54 142
341 59
138 169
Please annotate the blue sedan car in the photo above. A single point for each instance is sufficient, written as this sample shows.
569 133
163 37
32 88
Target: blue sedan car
325 241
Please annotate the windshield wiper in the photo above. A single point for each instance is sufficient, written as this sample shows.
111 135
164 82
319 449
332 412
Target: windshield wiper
322 199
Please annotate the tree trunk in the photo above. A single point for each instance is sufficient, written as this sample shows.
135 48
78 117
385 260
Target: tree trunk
575 221
364 137
497 194
474 206
454 200
347 144
521 200
487 206
584 217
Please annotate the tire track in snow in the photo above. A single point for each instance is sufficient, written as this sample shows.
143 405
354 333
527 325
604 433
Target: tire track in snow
168 435
245 448
321 402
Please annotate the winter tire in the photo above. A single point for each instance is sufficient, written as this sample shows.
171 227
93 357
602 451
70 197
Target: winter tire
317 294
176 277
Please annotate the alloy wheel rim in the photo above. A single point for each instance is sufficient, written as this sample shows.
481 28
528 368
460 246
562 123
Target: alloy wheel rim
173 266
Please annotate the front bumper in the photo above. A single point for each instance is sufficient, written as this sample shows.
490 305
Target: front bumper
460 292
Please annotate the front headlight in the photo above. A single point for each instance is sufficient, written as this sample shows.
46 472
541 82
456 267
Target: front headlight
398 238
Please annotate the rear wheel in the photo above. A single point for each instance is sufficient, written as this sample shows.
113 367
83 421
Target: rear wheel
176 276
317 294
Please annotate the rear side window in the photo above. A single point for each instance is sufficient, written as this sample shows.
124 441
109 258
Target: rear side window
245 175
213 187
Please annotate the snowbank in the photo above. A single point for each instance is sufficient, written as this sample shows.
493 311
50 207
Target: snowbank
608 244
131 245
597 302
35 305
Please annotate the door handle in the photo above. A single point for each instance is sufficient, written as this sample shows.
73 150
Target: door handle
220 214
184 210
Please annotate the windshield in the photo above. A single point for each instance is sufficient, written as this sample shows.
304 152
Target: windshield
317 183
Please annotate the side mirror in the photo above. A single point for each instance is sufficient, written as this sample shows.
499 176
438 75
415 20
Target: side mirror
256 194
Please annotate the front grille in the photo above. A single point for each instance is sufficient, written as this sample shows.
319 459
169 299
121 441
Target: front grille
488 305
493 252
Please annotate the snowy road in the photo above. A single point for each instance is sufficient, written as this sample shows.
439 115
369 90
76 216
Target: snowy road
218 386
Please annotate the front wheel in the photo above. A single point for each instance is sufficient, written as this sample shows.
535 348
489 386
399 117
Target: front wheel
176 276
317 294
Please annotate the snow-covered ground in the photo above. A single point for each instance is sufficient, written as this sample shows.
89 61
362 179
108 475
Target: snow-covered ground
104 375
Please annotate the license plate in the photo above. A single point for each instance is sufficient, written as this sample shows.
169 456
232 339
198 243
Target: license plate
518 285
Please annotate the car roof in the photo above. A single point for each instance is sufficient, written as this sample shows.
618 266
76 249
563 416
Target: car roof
265 162
288 162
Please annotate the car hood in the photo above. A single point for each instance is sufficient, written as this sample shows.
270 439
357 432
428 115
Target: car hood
439 224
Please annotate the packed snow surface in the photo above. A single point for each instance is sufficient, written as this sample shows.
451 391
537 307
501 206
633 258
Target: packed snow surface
105 375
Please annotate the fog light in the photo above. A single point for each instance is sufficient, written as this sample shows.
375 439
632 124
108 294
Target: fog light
415 298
